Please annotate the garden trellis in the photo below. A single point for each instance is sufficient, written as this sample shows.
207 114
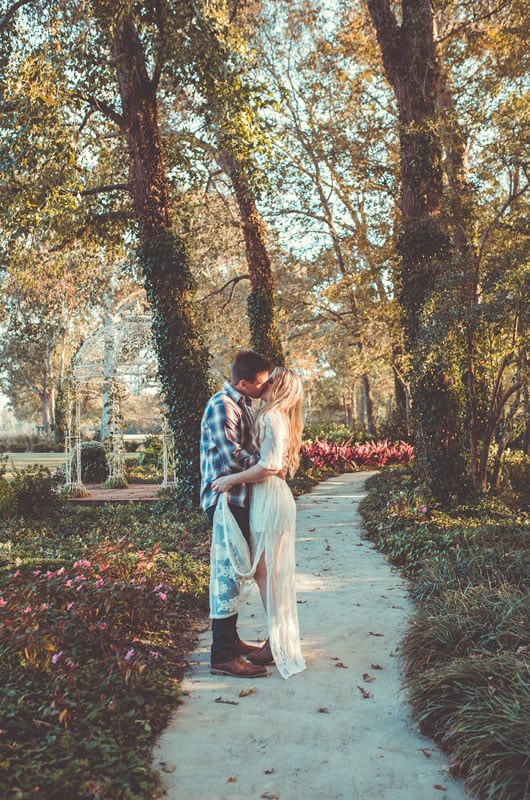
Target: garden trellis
116 358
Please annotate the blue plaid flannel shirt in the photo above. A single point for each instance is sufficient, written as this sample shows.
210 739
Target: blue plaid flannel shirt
225 444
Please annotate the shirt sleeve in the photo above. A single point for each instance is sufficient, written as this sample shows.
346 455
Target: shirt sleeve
226 430
272 445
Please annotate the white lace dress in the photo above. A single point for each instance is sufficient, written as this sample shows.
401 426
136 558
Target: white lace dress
272 527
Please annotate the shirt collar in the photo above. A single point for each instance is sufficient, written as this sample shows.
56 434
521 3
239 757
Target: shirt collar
236 396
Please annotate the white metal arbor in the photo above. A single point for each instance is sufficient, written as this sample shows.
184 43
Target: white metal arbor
116 358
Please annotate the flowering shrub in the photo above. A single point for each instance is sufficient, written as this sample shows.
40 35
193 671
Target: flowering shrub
323 454
91 648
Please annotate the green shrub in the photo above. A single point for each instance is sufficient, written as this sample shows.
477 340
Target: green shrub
93 462
31 493
98 609
151 452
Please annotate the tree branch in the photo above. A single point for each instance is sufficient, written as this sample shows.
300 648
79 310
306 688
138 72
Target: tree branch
231 283
513 196
105 109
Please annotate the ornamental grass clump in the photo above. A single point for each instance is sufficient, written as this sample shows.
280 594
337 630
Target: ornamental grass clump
479 710
466 654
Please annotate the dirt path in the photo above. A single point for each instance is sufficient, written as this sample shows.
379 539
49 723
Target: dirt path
342 729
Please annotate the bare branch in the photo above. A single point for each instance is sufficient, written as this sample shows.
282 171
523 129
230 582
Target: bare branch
512 197
231 283
475 20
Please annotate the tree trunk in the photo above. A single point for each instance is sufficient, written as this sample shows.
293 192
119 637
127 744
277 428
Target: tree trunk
411 65
368 402
183 358
264 333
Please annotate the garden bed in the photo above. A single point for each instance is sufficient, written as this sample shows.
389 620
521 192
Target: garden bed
466 654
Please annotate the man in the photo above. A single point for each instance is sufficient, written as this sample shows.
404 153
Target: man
226 447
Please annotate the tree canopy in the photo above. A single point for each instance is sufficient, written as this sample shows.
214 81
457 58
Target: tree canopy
343 185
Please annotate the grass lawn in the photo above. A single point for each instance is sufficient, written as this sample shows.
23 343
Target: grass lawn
51 461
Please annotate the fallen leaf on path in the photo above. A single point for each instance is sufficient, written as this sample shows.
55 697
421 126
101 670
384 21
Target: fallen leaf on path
364 693
228 702
310 530
270 796
340 664
367 677
375 634
438 786
246 692
425 752
301 602
400 607
165 767
376 666
270 771
328 547
231 780
317 574
323 710
333 658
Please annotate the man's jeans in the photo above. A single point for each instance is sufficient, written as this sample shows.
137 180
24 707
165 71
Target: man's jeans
224 631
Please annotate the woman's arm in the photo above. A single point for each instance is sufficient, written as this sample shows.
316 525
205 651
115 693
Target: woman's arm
254 474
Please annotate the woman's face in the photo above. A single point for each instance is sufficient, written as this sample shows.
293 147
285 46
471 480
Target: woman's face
266 395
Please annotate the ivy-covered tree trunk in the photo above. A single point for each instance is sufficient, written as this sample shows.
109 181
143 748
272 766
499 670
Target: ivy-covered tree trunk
427 265
183 358
264 333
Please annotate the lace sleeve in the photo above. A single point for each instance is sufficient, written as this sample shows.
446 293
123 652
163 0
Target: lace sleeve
272 444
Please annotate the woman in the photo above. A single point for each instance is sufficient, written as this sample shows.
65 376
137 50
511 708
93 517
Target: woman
278 437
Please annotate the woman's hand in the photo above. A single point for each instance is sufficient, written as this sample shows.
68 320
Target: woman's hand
224 483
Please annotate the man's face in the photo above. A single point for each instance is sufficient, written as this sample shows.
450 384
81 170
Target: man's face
256 387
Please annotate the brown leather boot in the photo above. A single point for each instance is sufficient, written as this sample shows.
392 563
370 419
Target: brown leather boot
238 668
263 656
245 648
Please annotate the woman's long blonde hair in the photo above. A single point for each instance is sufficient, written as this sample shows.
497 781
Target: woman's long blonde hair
286 396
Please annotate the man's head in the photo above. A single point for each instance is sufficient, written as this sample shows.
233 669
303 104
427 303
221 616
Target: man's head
250 372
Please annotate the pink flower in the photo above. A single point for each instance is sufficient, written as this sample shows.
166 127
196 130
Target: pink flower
154 653
60 571
82 563
44 607
27 610
103 567
140 553
56 657
129 654
101 582
68 582
36 572
69 606
79 587
16 574
162 595
50 574
157 588
2 602
102 626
